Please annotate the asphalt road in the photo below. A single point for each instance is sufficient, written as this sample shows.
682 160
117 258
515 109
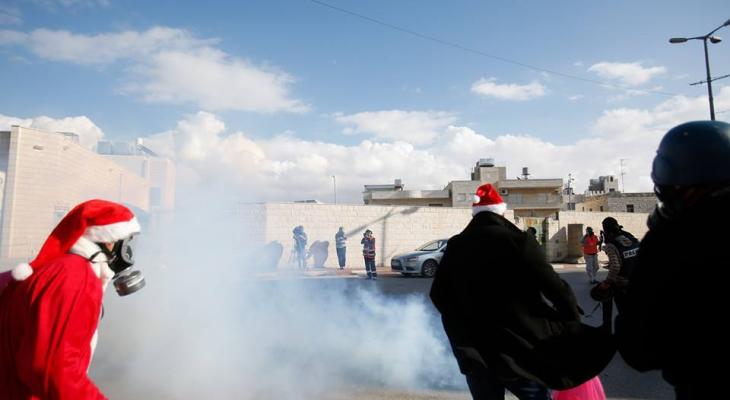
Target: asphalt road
619 380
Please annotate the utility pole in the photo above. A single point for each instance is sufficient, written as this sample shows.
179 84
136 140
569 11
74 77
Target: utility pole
621 169
334 187
571 206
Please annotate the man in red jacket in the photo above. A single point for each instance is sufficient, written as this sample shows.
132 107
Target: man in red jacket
50 311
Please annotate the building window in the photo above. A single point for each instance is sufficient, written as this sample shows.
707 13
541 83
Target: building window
601 208
503 191
630 208
590 209
611 190
542 197
515 199
155 197
582 208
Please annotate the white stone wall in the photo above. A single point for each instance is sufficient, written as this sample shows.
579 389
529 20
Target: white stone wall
48 174
396 228
557 247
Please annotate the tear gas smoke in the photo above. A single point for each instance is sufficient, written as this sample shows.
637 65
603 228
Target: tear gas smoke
206 327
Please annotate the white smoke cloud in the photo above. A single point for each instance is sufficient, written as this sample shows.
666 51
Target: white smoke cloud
206 327
89 133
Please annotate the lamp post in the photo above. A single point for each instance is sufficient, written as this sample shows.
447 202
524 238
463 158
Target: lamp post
334 187
713 39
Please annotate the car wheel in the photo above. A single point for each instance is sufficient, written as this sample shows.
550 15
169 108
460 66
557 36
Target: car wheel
429 268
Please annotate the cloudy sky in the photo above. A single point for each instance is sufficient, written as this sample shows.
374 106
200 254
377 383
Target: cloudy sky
274 98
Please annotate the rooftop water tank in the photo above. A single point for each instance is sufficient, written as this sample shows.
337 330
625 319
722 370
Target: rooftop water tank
486 162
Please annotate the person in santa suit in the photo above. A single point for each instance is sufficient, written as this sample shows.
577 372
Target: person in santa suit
491 282
50 309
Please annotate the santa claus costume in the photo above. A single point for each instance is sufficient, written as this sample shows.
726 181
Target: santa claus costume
50 310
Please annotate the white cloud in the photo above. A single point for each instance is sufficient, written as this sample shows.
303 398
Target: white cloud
631 74
285 167
576 97
510 91
54 5
416 127
89 133
10 15
169 66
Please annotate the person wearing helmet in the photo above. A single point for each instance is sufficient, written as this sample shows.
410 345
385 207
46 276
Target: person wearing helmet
621 247
674 290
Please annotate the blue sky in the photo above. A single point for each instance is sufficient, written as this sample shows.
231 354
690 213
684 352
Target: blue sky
264 93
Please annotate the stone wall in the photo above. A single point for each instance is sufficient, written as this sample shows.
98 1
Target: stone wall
396 229
558 247
400 229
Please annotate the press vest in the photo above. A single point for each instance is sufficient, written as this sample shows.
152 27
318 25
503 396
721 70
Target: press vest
628 249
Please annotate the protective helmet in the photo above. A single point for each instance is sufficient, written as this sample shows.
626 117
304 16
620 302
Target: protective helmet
693 153
610 224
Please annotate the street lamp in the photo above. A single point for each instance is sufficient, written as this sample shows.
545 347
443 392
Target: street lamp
713 39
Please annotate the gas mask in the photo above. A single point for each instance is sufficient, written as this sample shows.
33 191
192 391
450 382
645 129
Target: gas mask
120 260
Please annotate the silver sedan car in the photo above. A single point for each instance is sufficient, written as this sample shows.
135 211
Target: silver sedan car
424 260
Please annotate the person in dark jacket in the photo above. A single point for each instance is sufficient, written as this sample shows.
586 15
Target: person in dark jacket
368 253
622 249
491 283
676 291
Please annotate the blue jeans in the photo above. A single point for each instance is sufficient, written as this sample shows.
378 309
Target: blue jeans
487 387
341 251
370 267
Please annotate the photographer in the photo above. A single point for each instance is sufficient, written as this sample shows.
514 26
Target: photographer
676 291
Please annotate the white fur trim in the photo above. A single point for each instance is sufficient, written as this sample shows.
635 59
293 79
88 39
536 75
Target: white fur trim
498 208
22 271
86 248
477 199
112 232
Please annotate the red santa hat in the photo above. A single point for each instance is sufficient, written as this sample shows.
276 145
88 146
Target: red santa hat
487 199
99 221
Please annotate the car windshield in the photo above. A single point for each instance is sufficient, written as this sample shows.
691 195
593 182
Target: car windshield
431 246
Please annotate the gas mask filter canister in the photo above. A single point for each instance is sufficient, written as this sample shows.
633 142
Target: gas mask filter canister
121 259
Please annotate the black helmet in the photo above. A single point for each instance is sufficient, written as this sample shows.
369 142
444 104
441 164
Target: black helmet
693 153
610 224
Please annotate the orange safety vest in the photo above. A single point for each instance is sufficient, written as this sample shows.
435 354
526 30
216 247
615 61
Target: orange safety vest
590 245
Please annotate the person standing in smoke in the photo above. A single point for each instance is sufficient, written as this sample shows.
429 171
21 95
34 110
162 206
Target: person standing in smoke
491 280
50 311
677 291
300 246
341 246
368 253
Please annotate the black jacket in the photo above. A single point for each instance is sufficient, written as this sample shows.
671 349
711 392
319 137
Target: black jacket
490 289
677 296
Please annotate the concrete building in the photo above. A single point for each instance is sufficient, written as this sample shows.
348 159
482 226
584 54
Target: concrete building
618 202
602 184
158 171
527 197
44 174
